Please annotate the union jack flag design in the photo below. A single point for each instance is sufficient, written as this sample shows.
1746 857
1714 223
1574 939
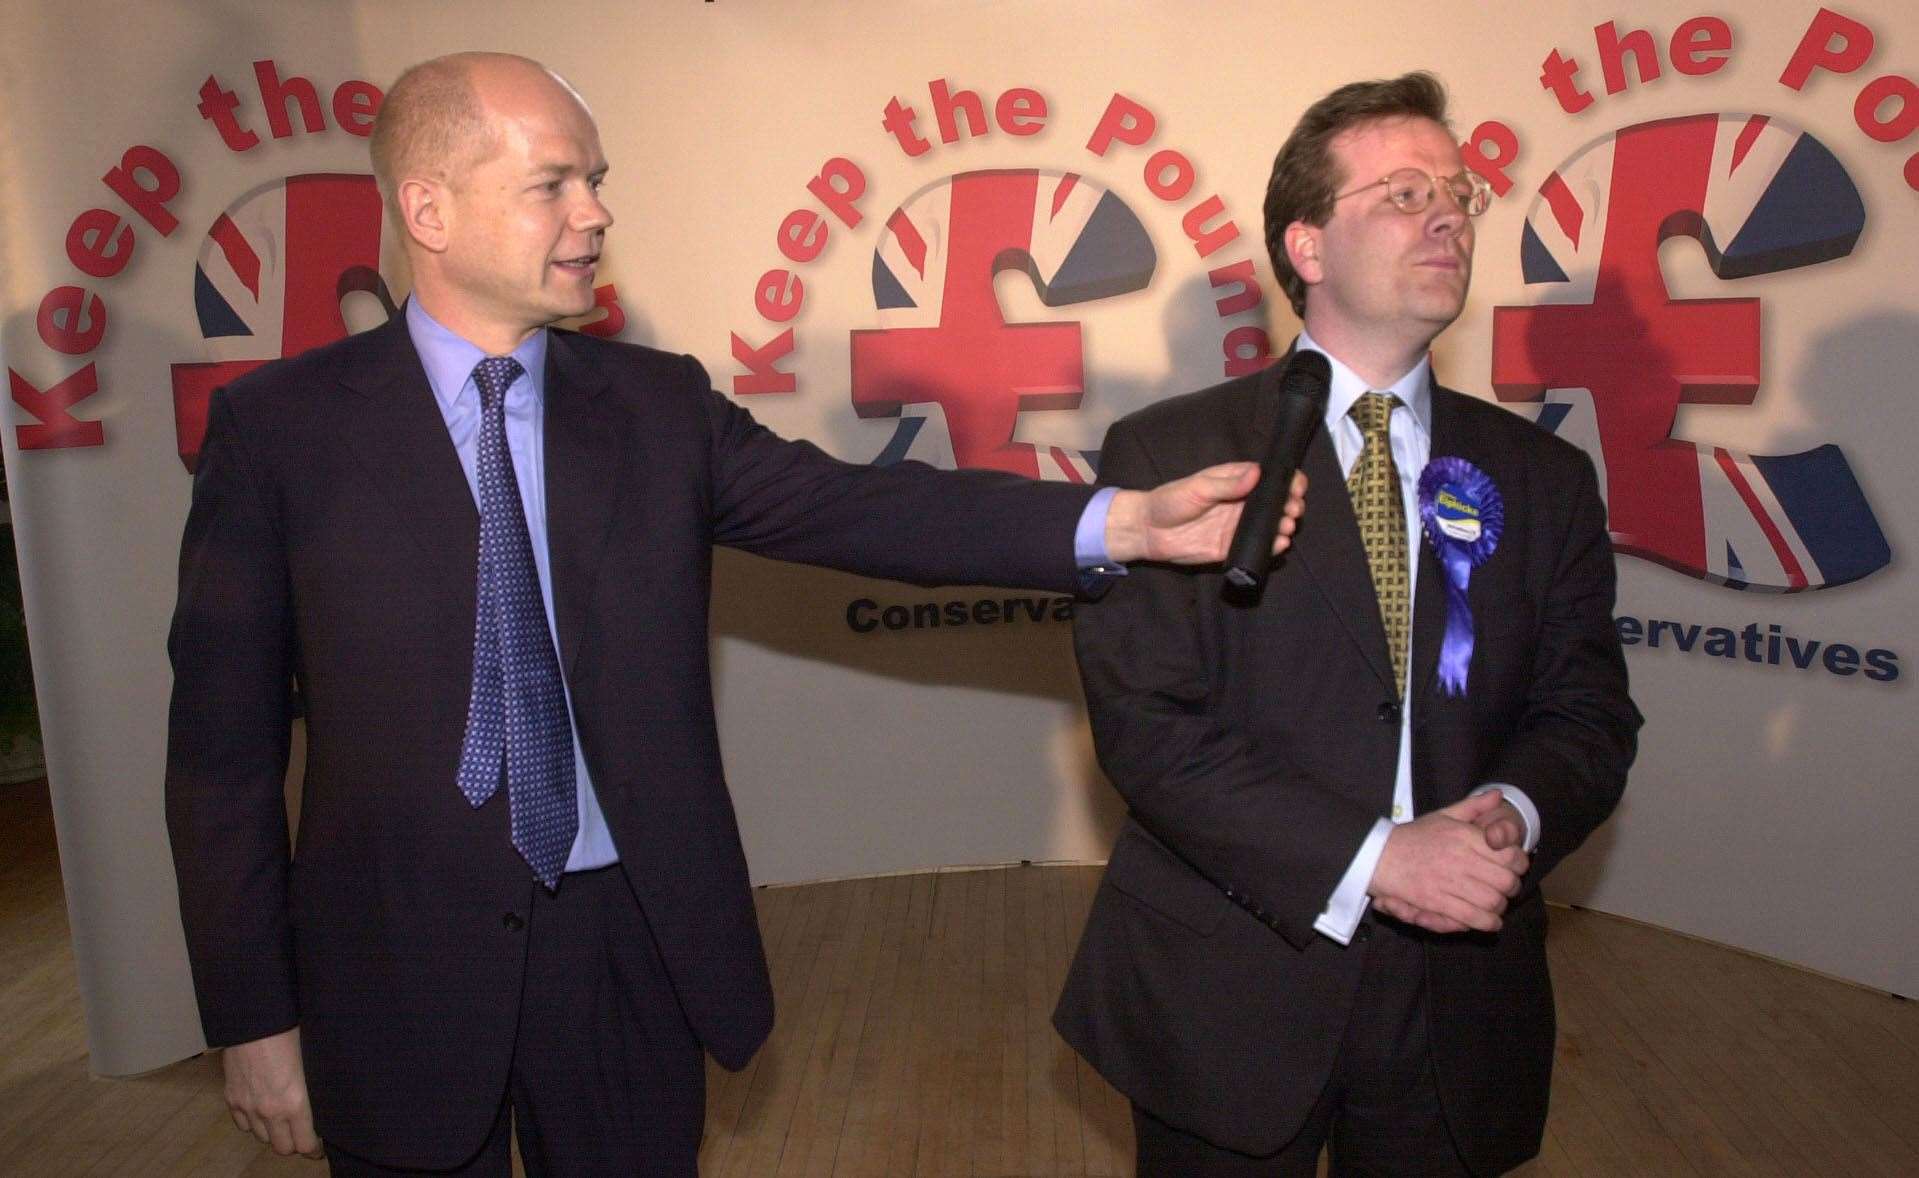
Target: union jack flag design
275 277
943 346
1612 355
276 267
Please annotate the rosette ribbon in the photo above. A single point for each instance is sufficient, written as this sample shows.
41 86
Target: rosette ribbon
1462 515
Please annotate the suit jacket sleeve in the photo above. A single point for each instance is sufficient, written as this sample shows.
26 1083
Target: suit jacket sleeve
1197 783
907 522
227 742
1576 733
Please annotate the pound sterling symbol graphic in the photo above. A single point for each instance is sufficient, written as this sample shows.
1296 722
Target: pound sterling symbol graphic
943 340
1777 199
272 276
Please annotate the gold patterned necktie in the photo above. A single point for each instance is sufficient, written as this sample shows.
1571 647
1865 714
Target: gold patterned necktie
1374 487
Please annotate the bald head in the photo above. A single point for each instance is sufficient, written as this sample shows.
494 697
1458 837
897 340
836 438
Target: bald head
436 121
491 166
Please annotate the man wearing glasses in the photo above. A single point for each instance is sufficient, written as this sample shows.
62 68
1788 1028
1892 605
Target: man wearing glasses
1321 924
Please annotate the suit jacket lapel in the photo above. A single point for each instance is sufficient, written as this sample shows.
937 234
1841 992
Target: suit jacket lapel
589 443
1327 545
398 432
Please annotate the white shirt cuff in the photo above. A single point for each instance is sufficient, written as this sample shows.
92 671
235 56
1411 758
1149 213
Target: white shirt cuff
1347 906
1528 813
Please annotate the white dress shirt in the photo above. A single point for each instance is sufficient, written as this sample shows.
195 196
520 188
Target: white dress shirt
1412 443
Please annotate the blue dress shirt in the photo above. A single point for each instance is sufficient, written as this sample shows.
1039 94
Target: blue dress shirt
449 361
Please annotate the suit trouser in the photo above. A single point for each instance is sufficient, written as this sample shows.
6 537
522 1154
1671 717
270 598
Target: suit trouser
607 1077
1380 1111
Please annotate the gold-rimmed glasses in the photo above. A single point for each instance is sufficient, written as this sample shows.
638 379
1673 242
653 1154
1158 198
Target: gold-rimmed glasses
1411 190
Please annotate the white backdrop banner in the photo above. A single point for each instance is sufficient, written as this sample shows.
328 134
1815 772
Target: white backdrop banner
974 234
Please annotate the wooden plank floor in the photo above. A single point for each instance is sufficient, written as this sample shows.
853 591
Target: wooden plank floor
913 1040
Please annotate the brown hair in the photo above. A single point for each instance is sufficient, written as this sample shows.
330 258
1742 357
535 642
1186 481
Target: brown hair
1305 176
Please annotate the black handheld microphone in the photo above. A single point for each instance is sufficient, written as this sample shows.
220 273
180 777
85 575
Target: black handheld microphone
1303 388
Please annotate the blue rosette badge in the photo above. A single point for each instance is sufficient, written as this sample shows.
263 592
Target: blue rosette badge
1462 515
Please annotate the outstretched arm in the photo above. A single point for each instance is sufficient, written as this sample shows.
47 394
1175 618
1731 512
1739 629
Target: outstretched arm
1191 520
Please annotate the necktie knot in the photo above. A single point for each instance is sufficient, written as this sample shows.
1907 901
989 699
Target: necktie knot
1373 412
493 376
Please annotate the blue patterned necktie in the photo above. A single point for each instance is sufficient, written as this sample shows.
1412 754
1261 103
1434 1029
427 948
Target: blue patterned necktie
517 717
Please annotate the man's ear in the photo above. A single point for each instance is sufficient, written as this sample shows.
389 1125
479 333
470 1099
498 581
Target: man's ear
1302 250
424 208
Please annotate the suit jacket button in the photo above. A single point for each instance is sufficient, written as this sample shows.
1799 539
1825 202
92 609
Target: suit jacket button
1389 711
511 922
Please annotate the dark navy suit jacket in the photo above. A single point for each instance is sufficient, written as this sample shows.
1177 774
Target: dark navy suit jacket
1256 743
332 542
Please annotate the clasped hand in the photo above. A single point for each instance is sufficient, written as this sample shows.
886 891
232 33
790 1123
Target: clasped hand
1453 870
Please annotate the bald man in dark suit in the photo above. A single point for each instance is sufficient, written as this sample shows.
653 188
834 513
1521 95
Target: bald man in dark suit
482 548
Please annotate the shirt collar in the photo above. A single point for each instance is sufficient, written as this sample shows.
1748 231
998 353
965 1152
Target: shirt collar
449 358
1414 389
